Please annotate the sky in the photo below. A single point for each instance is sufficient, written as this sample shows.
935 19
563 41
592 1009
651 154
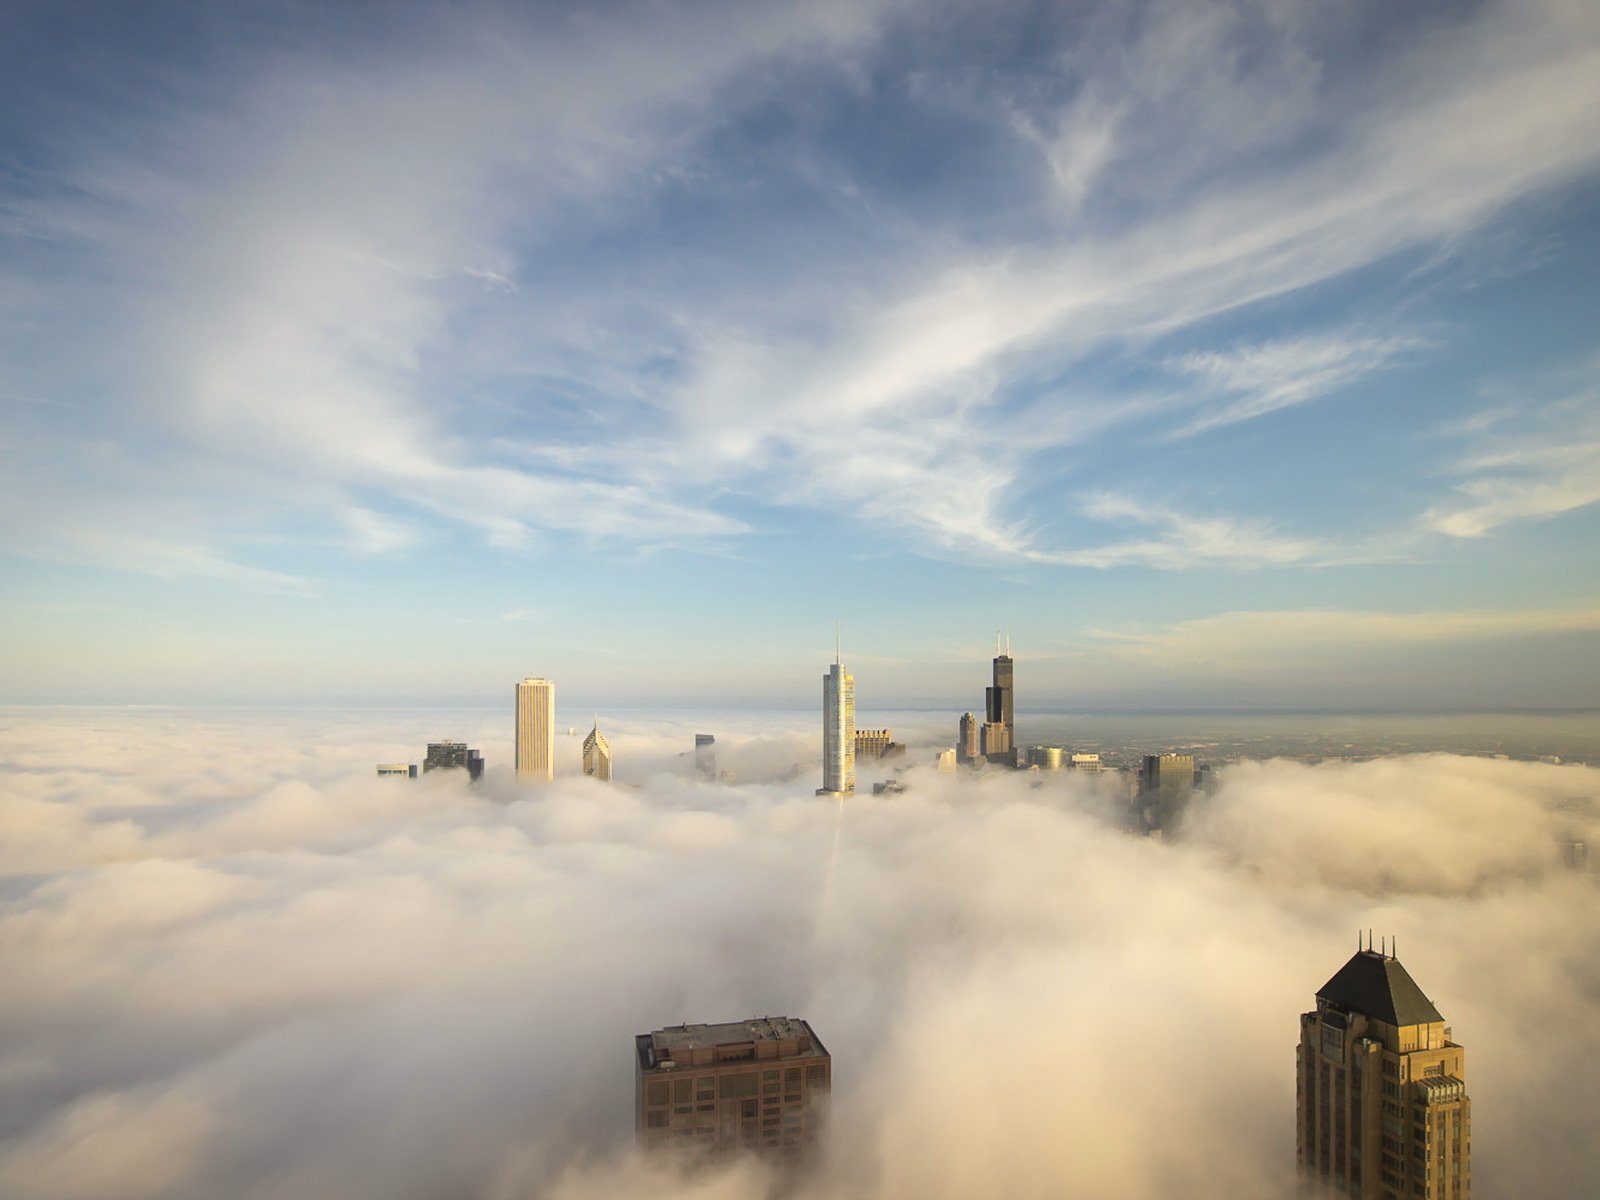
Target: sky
238 964
1227 354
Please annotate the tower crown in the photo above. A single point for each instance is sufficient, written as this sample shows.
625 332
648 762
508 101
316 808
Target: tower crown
1377 986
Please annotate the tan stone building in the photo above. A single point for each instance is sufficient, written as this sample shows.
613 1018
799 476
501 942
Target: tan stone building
760 1085
1382 1108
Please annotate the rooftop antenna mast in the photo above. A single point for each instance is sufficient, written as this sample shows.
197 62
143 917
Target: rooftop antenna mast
836 644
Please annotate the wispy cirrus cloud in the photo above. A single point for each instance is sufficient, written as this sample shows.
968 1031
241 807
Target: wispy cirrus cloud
1529 457
1250 381
1181 540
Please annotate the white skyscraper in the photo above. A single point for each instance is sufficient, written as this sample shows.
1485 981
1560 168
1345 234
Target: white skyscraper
838 731
536 729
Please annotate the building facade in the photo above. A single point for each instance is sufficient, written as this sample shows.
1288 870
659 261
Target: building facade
758 1085
536 730
1382 1111
876 743
597 755
838 732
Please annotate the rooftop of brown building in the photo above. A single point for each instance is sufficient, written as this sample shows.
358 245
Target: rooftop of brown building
765 1037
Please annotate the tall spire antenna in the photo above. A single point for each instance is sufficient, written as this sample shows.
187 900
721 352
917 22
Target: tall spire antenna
1008 643
997 643
836 644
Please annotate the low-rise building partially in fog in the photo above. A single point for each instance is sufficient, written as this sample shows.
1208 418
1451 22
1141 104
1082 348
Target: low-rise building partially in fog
397 770
761 1084
945 761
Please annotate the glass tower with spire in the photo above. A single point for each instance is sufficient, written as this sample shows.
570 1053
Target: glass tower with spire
838 730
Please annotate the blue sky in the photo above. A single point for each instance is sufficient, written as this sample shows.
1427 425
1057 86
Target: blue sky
1227 354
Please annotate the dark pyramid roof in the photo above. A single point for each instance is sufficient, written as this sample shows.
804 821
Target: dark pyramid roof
1376 985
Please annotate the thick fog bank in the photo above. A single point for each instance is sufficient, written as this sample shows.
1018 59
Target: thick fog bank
237 964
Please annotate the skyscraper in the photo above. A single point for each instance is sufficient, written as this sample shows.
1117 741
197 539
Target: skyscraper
999 710
536 729
967 744
452 755
838 731
597 754
759 1085
705 755
1165 784
1382 1111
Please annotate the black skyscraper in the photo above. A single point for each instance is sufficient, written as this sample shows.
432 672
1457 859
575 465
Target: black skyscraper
1000 710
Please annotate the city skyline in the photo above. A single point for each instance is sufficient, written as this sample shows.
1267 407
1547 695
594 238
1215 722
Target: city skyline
1229 356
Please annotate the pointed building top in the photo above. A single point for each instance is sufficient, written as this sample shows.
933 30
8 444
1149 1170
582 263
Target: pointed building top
1376 985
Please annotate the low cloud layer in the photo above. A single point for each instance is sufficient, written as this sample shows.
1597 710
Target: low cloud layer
239 965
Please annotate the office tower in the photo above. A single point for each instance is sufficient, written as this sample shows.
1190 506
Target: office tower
597 754
838 731
1046 758
968 746
536 729
876 743
1087 762
1165 783
445 756
999 710
1382 1111
397 770
705 755
945 761
760 1085
1574 854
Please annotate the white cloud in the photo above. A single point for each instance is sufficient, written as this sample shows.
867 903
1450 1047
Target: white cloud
240 965
1532 458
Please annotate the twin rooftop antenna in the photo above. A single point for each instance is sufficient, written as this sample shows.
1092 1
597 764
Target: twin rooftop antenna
997 650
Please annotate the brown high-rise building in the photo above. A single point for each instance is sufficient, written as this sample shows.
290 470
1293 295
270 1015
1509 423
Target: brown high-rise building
1382 1109
760 1084
967 747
